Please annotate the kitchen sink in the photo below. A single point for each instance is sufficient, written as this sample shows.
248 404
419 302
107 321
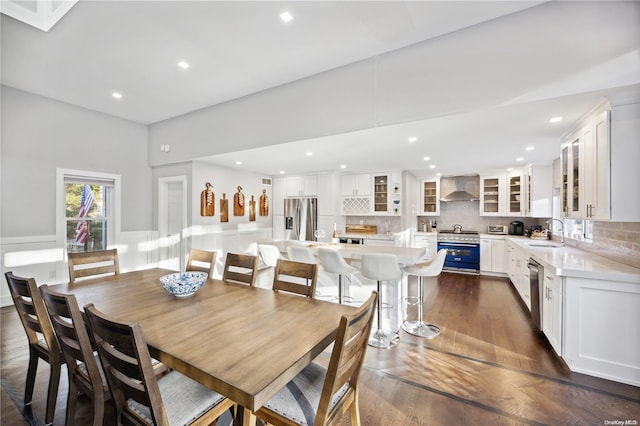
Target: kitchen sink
544 245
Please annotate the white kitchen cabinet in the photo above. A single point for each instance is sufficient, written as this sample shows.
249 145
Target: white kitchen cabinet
596 167
302 186
552 309
381 189
430 196
518 272
328 194
538 190
493 195
428 241
601 318
359 185
493 255
379 242
515 193
278 227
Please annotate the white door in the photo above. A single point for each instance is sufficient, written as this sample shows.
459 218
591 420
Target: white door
172 213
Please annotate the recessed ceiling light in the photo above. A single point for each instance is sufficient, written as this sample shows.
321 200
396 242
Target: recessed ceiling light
309 153
184 65
555 119
281 172
343 166
438 174
427 158
238 163
412 139
509 169
116 95
433 166
286 16
519 159
530 148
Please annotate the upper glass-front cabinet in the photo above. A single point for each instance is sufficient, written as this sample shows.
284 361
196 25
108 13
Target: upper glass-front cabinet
430 196
380 192
515 195
571 163
492 196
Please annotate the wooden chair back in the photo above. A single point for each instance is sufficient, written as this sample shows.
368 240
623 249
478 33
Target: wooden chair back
82 366
127 364
295 277
346 363
202 261
241 268
35 320
92 263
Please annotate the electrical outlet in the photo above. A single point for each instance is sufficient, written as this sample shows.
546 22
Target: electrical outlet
362 222
52 274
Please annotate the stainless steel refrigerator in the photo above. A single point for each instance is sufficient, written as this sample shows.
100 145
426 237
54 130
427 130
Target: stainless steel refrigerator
300 218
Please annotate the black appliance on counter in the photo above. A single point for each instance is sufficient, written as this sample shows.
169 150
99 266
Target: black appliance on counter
516 228
351 240
463 250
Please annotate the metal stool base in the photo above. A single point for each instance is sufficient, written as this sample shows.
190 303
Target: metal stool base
421 329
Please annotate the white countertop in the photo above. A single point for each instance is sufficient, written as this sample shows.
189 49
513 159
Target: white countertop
572 262
390 236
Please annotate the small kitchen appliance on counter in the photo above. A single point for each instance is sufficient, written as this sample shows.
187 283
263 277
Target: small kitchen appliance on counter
497 229
516 228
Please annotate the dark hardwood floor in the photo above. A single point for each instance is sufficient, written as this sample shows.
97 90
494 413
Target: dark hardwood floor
489 366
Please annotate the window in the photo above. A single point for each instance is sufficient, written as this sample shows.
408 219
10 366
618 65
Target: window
87 203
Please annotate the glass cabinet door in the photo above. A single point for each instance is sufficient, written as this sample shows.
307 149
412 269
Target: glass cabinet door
431 197
380 188
575 176
565 179
491 195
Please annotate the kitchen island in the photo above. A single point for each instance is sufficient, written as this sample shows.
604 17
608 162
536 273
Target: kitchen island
354 252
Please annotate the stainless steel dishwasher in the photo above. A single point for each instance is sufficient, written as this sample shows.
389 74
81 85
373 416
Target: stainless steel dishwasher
536 275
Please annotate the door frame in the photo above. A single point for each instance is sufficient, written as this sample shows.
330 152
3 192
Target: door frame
163 214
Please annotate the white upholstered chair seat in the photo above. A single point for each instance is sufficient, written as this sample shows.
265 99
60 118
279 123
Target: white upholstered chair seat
184 399
299 399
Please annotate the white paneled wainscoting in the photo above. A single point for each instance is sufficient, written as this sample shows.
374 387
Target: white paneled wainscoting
40 257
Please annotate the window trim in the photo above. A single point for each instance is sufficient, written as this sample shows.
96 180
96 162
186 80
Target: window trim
96 177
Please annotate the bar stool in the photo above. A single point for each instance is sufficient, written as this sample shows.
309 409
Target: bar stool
333 263
421 270
381 267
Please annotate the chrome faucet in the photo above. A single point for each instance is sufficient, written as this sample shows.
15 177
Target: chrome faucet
561 223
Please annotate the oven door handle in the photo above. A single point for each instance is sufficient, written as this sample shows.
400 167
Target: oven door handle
454 245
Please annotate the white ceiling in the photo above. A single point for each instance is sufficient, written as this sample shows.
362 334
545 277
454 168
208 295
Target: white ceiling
496 71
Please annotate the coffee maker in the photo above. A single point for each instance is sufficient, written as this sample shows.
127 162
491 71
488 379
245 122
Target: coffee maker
516 228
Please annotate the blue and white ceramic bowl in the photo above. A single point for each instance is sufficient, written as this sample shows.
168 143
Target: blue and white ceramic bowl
183 284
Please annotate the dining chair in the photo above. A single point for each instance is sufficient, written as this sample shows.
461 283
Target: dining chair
381 267
241 268
421 270
202 261
42 340
82 364
319 395
140 398
295 277
92 263
333 263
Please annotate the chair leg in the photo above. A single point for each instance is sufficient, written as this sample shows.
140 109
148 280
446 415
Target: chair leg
31 376
52 395
380 338
72 399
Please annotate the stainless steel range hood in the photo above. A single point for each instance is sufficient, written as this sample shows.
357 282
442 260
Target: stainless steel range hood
460 188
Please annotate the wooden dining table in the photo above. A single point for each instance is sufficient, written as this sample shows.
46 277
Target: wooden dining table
244 342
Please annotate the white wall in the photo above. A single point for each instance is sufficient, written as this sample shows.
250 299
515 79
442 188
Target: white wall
38 136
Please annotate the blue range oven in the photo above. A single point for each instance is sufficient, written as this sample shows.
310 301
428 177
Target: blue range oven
463 250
